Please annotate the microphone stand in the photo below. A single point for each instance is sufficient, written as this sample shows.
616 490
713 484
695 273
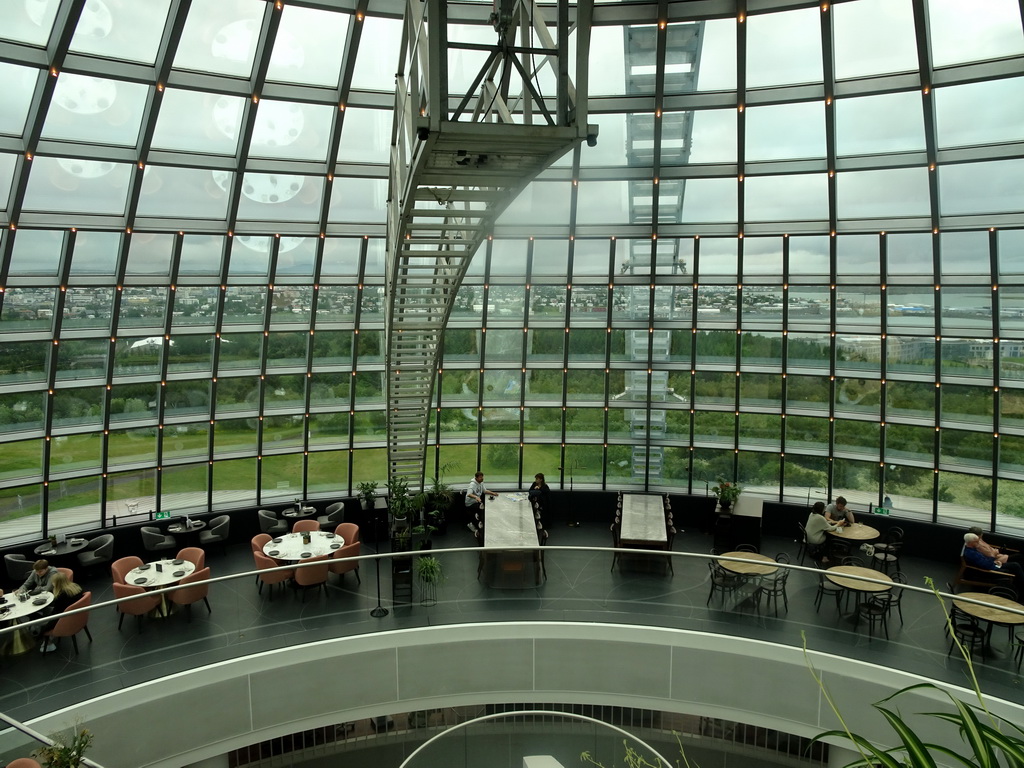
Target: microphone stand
380 611
573 466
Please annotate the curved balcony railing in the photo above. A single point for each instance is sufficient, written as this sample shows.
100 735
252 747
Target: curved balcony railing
578 586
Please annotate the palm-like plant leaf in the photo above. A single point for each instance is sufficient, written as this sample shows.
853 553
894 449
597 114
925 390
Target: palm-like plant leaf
865 747
917 752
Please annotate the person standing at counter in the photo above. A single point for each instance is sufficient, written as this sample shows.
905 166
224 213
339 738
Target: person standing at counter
475 494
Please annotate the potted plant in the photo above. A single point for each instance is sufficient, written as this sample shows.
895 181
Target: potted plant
64 753
727 493
439 498
367 494
430 574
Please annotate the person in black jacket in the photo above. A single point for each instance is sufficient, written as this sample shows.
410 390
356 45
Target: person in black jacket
539 493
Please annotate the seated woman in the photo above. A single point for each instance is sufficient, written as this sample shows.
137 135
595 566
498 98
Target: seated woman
815 529
65 592
538 493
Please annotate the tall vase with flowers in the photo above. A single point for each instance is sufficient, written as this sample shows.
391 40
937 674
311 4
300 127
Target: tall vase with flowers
727 493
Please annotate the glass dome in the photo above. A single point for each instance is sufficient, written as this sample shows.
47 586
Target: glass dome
795 257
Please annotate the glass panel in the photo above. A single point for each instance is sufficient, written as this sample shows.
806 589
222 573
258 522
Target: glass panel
250 257
890 122
234 482
184 398
19 84
29 23
858 482
357 200
327 471
548 203
201 255
135 355
807 393
149 254
80 406
281 478
143 308
75 503
800 197
857 255
27 309
64 185
958 37
220 36
375 64
1010 504
710 201
23 504
91 109
785 131
291 131
758 473
195 306
184 192
972 188
889 24
193 121
240 350
134 402
127 446
78 359
121 29
980 113
858 437
23 458
862 396
184 487
71 452
365 136
885 194
131 490
964 498
309 47
96 253
784 48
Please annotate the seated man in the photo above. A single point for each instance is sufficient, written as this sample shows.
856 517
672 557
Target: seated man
977 559
838 513
39 579
989 550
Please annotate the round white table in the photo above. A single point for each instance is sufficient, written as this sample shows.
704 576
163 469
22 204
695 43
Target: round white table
14 609
160 573
292 547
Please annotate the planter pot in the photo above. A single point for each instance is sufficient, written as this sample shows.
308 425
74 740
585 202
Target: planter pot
428 593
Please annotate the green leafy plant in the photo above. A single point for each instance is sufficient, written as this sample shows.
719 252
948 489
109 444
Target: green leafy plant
726 492
987 743
368 493
428 569
65 752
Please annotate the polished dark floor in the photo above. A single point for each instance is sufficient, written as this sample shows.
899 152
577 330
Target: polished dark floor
580 586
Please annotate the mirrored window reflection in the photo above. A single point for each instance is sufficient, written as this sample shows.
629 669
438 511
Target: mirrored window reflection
785 131
193 193
888 122
73 185
784 48
959 37
375 64
280 197
250 256
220 36
365 135
121 29
310 46
873 37
193 121
29 22
357 201
19 83
291 130
95 110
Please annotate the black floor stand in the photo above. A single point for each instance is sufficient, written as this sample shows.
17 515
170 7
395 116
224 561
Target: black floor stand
380 610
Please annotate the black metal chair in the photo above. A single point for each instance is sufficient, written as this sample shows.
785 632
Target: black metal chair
827 589
895 595
1001 590
804 549
875 610
722 581
773 587
966 630
887 554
